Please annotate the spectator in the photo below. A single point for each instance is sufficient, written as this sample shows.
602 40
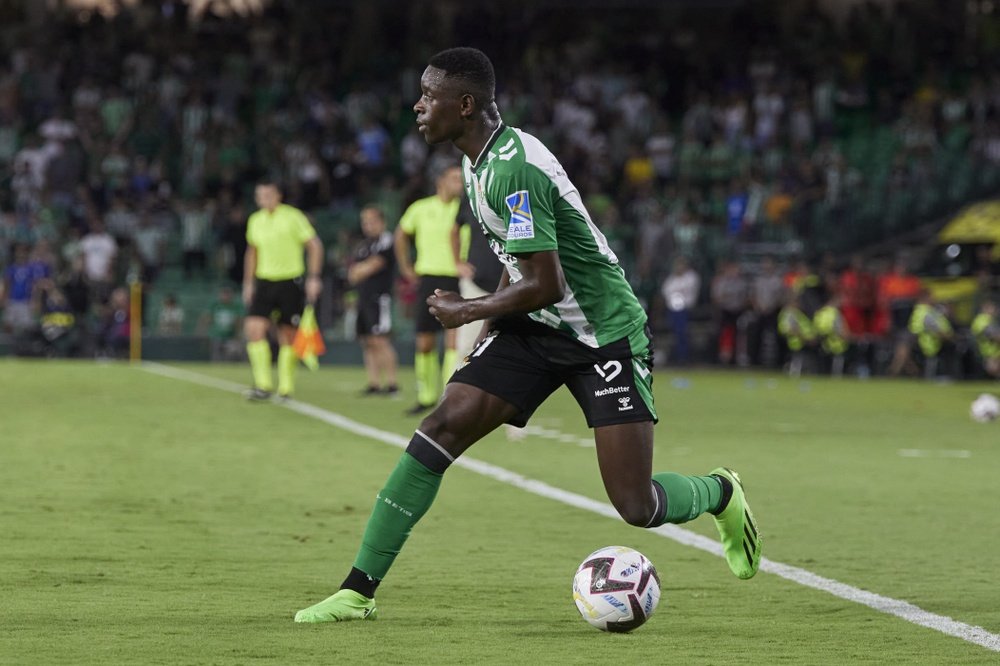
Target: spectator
729 296
58 329
196 220
833 334
223 323
797 329
19 280
986 332
767 294
99 252
151 246
680 294
114 333
171 318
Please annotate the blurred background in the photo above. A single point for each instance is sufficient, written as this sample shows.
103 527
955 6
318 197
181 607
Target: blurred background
794 154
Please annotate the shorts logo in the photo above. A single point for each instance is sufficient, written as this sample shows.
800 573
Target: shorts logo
611 390
522 225
609 370
624 402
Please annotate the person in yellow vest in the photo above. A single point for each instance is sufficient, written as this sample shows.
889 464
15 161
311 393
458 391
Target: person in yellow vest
427 224
932 329
986 330
831 329
282 272
795 326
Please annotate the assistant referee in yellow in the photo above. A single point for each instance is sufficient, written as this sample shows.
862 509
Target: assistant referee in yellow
281 244
427 224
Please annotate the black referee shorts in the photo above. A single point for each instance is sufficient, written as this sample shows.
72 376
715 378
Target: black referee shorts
426 322
281 301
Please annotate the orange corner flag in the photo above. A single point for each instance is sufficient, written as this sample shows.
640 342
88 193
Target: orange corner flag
308 342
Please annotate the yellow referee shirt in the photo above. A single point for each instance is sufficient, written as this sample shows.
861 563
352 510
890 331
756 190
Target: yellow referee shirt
429 222
279 239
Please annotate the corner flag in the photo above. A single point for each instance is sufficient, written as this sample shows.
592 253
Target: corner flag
308 342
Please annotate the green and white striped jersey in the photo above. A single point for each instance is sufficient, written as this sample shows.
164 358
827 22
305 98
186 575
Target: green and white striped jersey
525 203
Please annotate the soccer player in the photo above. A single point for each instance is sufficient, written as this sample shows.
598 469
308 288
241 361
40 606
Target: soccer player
562 314
276 283
428 224
371 273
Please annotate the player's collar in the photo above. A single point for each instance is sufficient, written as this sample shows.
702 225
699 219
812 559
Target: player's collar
489 144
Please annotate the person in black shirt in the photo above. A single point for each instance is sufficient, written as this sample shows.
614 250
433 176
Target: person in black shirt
373 267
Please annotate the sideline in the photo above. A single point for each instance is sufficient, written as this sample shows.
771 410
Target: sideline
897 607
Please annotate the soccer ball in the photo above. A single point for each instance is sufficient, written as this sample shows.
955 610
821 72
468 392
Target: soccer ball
616 589
985 408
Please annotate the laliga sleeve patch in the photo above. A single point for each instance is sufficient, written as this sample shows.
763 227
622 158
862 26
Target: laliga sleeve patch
522 226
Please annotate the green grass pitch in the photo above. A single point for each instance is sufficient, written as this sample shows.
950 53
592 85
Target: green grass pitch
145 519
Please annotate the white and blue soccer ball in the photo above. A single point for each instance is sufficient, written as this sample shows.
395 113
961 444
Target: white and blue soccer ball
616 589
985 408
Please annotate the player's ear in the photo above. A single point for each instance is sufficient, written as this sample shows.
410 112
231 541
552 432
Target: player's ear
468 105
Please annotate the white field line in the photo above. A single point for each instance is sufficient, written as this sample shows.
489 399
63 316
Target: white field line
896 607
934 453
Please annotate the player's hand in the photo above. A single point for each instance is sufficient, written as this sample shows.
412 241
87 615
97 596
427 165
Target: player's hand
247 294
448 307
314 285
409 274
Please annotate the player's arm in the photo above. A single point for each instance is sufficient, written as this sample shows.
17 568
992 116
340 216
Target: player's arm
542 284
363 270
314 268
249 270
402 250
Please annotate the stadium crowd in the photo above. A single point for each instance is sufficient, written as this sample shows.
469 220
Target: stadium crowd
129 147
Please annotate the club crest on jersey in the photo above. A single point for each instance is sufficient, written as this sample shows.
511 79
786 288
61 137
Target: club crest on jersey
521 223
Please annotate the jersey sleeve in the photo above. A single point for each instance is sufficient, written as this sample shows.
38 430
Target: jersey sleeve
524 198
408 223
303 228
251 240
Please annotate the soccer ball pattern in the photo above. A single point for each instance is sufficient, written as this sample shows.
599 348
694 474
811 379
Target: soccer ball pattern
616 589
985 408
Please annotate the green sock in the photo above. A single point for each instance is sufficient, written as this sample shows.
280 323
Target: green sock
407 495
259 354
688 496
448 366
286 370
428 381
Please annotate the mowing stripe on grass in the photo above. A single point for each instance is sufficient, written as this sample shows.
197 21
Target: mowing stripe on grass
896 607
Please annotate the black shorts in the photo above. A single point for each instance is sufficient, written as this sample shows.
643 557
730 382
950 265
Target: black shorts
426 322
374 315
281 301
523 362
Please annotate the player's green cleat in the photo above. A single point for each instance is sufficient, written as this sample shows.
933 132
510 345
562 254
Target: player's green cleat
343 606
738 529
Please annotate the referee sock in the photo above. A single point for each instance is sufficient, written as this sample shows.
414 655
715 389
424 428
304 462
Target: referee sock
448 366
428 377
286 370
688 496
408 493
259 353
